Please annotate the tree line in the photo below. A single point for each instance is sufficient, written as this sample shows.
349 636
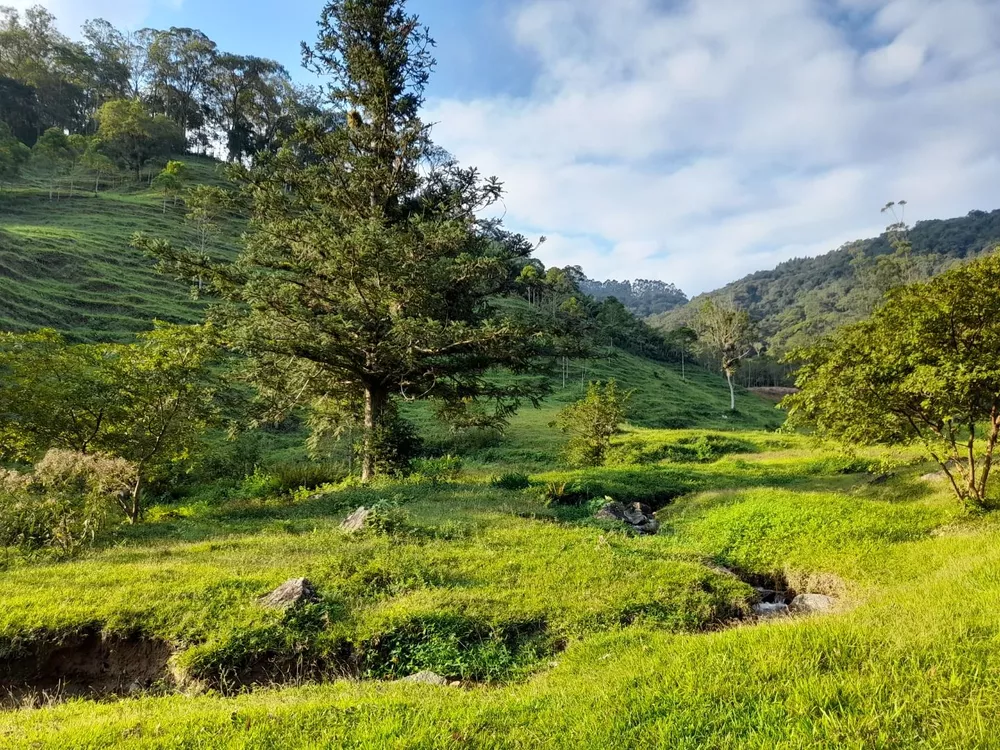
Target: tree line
50 81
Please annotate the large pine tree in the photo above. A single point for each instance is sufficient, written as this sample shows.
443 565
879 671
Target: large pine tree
367 277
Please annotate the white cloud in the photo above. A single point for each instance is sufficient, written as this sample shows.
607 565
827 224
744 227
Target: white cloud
70 14
699 140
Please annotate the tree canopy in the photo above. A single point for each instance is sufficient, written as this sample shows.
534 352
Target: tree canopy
367 278
925 367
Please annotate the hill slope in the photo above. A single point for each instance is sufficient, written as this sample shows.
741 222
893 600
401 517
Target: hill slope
804 298
66 264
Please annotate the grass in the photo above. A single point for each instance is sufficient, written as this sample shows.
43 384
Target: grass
67 264
565 631
577 634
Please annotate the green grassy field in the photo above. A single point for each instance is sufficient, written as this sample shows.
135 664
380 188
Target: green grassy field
66 263
560 630
566 632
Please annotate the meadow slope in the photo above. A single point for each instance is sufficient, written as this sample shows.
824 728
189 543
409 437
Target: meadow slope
564 631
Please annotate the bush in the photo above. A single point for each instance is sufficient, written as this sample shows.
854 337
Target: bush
387 517
511 481
294 476
592 422
65 503
444 469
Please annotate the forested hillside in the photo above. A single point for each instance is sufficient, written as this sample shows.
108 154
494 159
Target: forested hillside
644 297
804 298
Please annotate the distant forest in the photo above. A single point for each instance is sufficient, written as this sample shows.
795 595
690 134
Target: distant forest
644 297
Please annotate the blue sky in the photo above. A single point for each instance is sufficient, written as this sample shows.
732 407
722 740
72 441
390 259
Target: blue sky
688 140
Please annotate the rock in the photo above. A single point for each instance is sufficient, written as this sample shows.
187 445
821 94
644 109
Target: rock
770 609
425 678
650 527
611 511
637 515
291 593
770 596
812 603
356 521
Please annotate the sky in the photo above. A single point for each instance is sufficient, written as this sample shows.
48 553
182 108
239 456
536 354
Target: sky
692 141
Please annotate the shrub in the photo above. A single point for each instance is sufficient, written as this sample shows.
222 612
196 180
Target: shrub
592 422
294 476
511 481
65 503
444 469
259 485
387 517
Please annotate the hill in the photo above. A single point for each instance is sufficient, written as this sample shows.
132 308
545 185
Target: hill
802 299
67 264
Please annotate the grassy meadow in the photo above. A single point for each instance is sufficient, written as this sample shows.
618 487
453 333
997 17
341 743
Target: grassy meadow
563 631
66 263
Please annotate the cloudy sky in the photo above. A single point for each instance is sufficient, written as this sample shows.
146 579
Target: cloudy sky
687 140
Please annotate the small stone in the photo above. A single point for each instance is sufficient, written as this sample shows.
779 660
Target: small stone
770 609
455 683
425 678
291 593
812 603
649 528
612 511
356 521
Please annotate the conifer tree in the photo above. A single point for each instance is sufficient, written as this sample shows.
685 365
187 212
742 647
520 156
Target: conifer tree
367 277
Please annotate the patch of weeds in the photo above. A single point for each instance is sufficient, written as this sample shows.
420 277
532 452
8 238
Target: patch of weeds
436 470
511 481
456 647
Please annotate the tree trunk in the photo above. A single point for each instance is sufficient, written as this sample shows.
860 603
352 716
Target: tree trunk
376 399
732 392
135 502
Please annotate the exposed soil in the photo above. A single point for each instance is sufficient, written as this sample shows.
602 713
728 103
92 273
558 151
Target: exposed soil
86 665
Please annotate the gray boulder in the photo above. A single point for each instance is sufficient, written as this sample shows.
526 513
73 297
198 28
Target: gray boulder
425 678
291 593
637 515
812 603
767 610
612 511
356 521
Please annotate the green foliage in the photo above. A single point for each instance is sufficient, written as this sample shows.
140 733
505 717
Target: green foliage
925 367
13 154
171 180
64 503
389 291
511 480
53 154
592 422
803 299
130 136
148 403
443 469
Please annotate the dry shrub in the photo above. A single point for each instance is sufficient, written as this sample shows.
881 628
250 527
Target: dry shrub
65 503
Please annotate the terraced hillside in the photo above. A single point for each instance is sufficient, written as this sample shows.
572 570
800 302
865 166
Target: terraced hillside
66 263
